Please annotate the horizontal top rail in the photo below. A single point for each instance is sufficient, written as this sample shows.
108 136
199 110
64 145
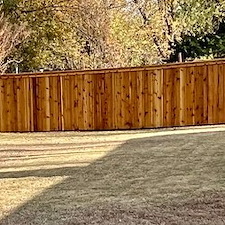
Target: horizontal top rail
114 70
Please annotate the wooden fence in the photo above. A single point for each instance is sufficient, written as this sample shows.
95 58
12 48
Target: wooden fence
128 98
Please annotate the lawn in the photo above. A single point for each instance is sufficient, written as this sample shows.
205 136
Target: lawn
167 176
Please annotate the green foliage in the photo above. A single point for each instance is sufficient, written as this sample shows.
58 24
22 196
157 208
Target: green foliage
211 45
73 34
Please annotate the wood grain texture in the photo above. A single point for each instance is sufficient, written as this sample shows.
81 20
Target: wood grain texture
115 99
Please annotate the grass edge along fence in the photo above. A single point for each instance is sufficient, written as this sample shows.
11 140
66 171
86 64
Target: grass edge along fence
127 98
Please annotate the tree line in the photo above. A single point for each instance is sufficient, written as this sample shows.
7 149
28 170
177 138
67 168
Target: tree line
89 34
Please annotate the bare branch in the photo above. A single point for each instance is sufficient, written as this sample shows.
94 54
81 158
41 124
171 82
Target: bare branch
10 37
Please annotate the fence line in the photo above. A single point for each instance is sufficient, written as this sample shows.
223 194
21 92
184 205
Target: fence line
127 98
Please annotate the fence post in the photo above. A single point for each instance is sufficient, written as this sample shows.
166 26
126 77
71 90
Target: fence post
180 57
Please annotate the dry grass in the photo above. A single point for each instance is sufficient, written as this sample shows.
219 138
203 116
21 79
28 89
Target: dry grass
138 177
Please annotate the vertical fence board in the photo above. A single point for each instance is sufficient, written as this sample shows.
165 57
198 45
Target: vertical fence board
85 91
54 98
176 98
43 104
19 103
213 94
79 108
88 87
216 94
38 115
168 95
221 94
108 118
118 100
182 95
10 105
46 104
147 92
205 95
31 106
134 95
4 105
157 85
199 111
222 106
67 102
126 101
140 103
98 102
74 103
193 93
189 94
210 94
2 100
28 105
115 100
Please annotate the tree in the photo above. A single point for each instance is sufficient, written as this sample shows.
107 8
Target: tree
66 34
168 21
42 47
211 45
204 43
10 37
78 34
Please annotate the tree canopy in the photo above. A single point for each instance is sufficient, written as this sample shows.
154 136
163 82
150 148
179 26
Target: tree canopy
78 34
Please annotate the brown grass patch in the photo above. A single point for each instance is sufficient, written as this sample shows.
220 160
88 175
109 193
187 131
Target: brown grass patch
119 178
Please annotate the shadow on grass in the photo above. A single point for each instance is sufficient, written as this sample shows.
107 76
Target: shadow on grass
177 179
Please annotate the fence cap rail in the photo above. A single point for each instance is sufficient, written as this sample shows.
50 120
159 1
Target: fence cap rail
114 70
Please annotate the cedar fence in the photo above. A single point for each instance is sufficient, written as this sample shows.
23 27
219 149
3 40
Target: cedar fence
128 98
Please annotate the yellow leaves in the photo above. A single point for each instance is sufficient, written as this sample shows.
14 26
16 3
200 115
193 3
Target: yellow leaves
119 32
